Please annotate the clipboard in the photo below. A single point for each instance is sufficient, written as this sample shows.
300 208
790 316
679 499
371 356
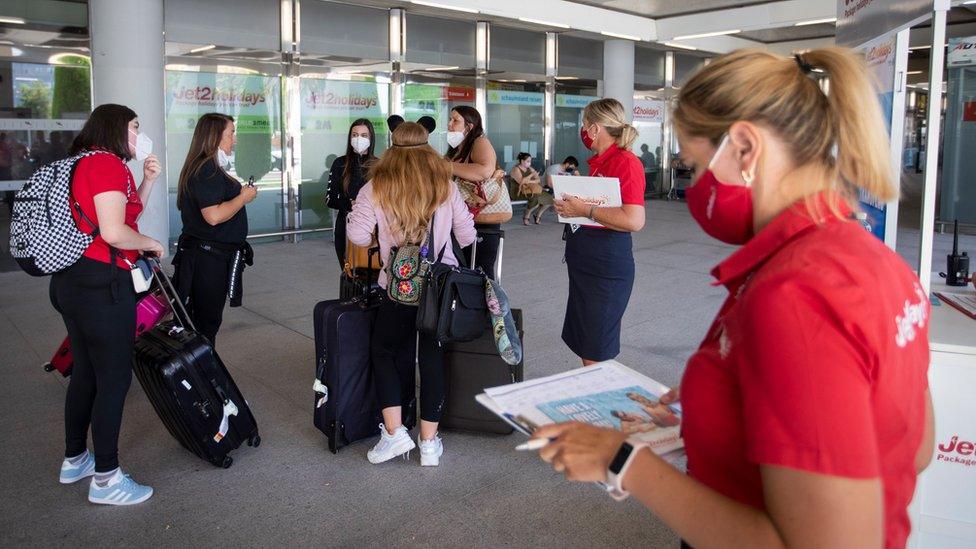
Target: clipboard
602 192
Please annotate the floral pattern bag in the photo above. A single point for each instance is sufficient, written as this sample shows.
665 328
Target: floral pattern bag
407 269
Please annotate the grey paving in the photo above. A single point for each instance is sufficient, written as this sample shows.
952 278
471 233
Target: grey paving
291 490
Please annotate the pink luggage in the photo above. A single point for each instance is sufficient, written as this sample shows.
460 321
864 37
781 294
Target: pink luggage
149 311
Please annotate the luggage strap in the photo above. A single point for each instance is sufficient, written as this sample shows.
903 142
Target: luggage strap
320 389
230 409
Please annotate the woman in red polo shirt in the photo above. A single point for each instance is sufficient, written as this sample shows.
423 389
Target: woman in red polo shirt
600 260
806 409
98 301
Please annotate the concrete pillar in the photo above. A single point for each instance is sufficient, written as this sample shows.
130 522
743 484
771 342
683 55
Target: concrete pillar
618 73
128 63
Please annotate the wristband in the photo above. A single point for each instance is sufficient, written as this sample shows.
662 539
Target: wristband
618 468
592 213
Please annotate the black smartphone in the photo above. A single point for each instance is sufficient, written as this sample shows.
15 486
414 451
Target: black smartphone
250 181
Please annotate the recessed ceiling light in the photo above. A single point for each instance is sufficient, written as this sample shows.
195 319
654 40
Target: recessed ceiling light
707 34
816 22
208 47
914 72
624 36
443 6
12 20
543 23
680 46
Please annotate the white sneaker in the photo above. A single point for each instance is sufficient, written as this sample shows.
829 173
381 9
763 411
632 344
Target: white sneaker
430 451
390 446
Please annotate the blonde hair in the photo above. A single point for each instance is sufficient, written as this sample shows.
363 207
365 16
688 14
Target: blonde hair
409 182
610 114
841 132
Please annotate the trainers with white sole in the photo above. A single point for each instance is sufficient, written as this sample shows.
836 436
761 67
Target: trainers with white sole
71 474
120 490
390 446
430 451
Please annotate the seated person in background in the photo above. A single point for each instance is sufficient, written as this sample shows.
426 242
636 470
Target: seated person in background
569 166
530 185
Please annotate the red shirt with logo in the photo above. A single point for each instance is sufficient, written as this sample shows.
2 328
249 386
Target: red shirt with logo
96 174
626 167
817 361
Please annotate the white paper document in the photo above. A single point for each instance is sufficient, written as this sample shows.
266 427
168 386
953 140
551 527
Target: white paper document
602 192
607 394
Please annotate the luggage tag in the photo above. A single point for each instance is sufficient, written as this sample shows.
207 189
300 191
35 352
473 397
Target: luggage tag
230 409
142 274
320 389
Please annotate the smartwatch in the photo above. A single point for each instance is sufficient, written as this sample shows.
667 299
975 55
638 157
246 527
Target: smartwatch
618 468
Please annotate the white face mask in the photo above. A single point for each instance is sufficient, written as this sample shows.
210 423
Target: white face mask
455 138
359 144
224 160
144 145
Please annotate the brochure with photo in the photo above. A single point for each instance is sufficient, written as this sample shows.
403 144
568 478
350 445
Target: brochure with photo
607 394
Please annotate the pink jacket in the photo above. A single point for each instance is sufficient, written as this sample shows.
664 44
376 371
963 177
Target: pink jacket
451 215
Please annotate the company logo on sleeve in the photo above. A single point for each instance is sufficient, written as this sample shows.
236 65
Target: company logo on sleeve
912 318
962 452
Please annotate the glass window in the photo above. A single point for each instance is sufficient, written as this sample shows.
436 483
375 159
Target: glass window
518 51
515 121
570 102
342 33
580 57
254 100
685 66
328 109
439 43
239 23
435 98
649 121
45 94
649 68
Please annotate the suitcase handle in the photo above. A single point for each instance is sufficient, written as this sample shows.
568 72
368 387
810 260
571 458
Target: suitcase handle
171 295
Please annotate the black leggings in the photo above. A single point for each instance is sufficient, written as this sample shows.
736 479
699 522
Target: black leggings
102 335
392 346
487 249
208 292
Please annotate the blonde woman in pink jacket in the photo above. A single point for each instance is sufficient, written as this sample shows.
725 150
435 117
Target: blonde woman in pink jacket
410 188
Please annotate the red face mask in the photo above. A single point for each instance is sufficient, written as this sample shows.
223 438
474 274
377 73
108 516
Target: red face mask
585 137
723 210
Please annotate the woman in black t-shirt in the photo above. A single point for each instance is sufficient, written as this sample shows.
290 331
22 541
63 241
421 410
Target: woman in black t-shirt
347 175
212 206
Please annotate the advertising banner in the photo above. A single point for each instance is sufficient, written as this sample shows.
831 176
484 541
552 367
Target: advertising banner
962 51
505 97
251 99
649 111
879 55
329 106
861 20
574 101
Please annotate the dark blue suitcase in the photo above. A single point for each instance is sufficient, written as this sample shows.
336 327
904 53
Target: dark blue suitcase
345 406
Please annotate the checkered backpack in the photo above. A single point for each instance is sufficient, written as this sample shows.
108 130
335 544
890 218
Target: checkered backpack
44 237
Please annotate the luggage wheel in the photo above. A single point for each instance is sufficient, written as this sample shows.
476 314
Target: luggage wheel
48 367
228 461
254 441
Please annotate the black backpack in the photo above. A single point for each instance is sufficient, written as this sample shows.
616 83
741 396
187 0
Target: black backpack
44 237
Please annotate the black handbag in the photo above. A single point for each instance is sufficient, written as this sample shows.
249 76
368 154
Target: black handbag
452 304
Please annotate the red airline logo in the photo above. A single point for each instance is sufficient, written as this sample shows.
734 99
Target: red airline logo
957 451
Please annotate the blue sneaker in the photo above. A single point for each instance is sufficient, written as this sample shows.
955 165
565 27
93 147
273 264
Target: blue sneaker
71 474
120 490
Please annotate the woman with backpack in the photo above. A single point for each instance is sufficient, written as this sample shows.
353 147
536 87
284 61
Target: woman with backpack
97 300
213 207
415 207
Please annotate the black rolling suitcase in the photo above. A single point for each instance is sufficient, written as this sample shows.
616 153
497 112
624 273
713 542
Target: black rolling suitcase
468 369
190 388
472 366
345 406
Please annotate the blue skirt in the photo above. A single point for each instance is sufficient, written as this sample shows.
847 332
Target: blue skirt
601 277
